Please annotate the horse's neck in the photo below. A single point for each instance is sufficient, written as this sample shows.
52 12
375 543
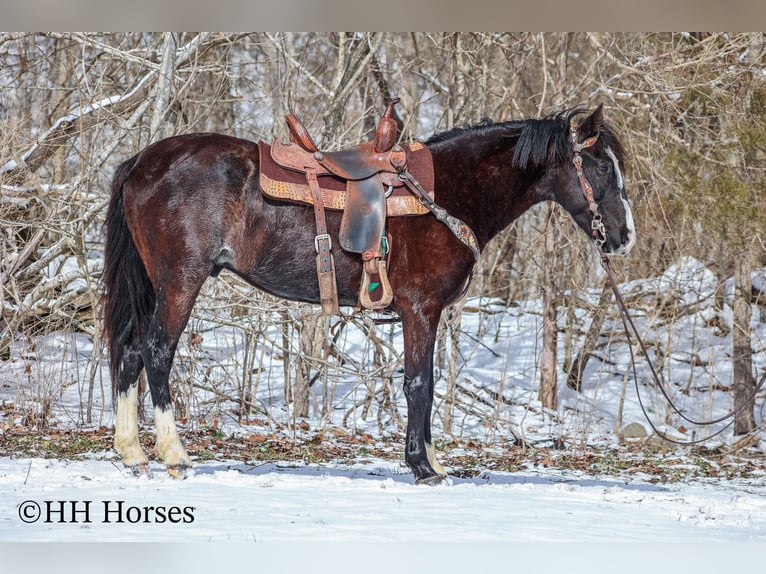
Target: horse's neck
487 203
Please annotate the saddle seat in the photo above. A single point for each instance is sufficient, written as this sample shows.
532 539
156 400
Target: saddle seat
282 178
363 182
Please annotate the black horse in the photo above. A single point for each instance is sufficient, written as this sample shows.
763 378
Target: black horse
188 206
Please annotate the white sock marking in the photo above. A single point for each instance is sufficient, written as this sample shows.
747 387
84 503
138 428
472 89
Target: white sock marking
126 429
169 445
435 464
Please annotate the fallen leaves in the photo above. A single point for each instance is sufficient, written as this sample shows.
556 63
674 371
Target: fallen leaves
462 458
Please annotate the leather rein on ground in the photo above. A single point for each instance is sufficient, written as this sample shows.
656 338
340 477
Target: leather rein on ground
599 238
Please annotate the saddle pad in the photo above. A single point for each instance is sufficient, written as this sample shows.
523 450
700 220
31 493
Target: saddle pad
289 185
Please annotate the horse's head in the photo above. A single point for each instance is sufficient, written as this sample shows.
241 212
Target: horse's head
594 189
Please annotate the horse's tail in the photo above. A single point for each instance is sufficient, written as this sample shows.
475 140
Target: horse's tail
129 297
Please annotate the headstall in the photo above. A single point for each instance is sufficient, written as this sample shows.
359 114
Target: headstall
596 225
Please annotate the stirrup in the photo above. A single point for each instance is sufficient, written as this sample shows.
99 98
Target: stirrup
364 291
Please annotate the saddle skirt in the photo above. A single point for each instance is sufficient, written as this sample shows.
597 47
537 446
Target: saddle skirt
287 184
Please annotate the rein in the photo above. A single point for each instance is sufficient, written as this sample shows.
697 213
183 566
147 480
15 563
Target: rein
599 238
627 322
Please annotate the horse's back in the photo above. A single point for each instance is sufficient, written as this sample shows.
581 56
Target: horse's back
184 195
198 158
190 171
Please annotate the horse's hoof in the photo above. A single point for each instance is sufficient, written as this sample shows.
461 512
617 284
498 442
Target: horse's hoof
139 469
433 480
179 471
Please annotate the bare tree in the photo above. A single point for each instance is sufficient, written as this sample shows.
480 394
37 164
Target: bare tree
692 108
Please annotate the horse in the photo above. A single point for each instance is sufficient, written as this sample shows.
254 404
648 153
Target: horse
188 206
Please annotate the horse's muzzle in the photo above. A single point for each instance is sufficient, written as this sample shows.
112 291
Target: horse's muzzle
628 241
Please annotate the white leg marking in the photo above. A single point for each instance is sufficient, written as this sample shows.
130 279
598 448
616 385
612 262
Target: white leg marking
435 464
169 446
126 429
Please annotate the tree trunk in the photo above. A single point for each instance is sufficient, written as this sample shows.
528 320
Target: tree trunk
453 315
163 92
742 359
574 378
548 387
313 341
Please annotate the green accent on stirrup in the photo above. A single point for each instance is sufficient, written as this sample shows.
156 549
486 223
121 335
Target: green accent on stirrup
374 285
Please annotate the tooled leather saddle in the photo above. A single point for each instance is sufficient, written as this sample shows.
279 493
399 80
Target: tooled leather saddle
363 182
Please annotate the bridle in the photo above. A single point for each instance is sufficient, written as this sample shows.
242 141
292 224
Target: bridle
596 225
599 237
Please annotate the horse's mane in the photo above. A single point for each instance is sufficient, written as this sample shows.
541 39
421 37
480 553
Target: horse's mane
536 142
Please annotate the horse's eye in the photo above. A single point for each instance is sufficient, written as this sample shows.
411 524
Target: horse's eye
604 167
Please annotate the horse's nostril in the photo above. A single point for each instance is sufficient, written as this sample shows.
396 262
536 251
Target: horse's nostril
628 241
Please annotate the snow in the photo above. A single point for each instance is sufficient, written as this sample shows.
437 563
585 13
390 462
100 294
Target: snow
375 500
371 503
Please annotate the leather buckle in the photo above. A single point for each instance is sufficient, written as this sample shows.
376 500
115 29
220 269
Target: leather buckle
322 237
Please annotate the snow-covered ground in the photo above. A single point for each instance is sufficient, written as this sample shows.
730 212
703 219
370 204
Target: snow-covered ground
93 499
372 503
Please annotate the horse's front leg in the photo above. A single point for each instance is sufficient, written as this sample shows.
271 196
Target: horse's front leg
419 340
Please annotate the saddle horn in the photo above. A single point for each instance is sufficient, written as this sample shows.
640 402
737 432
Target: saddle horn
385 137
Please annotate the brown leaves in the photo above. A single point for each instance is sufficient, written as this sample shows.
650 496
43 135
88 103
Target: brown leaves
463 459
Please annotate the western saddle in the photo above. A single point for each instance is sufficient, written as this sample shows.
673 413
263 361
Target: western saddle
364 183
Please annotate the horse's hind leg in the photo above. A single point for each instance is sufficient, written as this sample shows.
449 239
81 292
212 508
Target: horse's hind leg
126 422
174 305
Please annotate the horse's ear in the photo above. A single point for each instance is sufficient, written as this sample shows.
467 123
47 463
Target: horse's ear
592 125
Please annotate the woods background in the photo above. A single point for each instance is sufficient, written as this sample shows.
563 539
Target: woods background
691 109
